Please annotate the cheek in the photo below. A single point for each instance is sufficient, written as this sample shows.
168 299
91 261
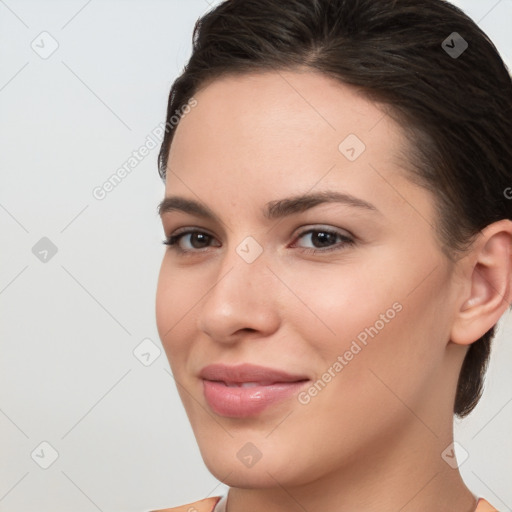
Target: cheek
339 302
378 315
175 300
377 361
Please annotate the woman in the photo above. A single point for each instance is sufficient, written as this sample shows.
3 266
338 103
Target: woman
339 249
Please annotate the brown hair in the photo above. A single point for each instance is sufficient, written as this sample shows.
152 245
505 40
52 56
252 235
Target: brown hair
454 108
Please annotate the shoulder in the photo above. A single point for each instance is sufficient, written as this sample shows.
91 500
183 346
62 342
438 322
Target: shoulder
205 505
483 506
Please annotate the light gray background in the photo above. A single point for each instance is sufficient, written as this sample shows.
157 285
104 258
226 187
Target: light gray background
70 325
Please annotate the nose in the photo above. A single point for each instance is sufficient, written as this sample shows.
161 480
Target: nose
241 298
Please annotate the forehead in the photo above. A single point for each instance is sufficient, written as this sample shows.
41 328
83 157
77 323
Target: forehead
302 99
281 115
272 134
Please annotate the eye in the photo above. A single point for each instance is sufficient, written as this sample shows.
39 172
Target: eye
324 240
198 240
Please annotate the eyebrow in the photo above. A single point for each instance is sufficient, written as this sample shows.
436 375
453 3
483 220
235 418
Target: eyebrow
274 209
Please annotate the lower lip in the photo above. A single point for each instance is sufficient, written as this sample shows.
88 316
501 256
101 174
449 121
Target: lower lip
238 402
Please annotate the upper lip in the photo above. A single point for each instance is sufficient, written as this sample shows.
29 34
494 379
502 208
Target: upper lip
247 373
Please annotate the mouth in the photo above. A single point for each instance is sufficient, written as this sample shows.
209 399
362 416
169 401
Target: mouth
248 399
256 384
246 390
248 374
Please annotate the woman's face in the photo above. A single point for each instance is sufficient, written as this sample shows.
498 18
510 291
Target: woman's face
366 318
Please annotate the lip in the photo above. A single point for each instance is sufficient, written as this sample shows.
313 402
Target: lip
272 387
247 373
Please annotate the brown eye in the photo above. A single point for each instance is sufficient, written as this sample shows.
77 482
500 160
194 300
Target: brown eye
197 240
324 240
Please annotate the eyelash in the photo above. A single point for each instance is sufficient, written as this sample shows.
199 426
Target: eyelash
173 240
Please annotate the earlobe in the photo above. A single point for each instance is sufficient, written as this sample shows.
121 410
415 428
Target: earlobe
490 278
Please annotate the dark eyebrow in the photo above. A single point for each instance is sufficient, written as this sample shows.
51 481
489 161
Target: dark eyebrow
177 203
297 204
274 209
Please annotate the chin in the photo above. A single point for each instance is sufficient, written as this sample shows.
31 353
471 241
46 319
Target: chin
234 474
226 464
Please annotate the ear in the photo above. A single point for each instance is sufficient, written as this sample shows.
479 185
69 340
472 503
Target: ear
486 291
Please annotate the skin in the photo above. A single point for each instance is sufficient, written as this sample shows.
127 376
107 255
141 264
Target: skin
372 439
